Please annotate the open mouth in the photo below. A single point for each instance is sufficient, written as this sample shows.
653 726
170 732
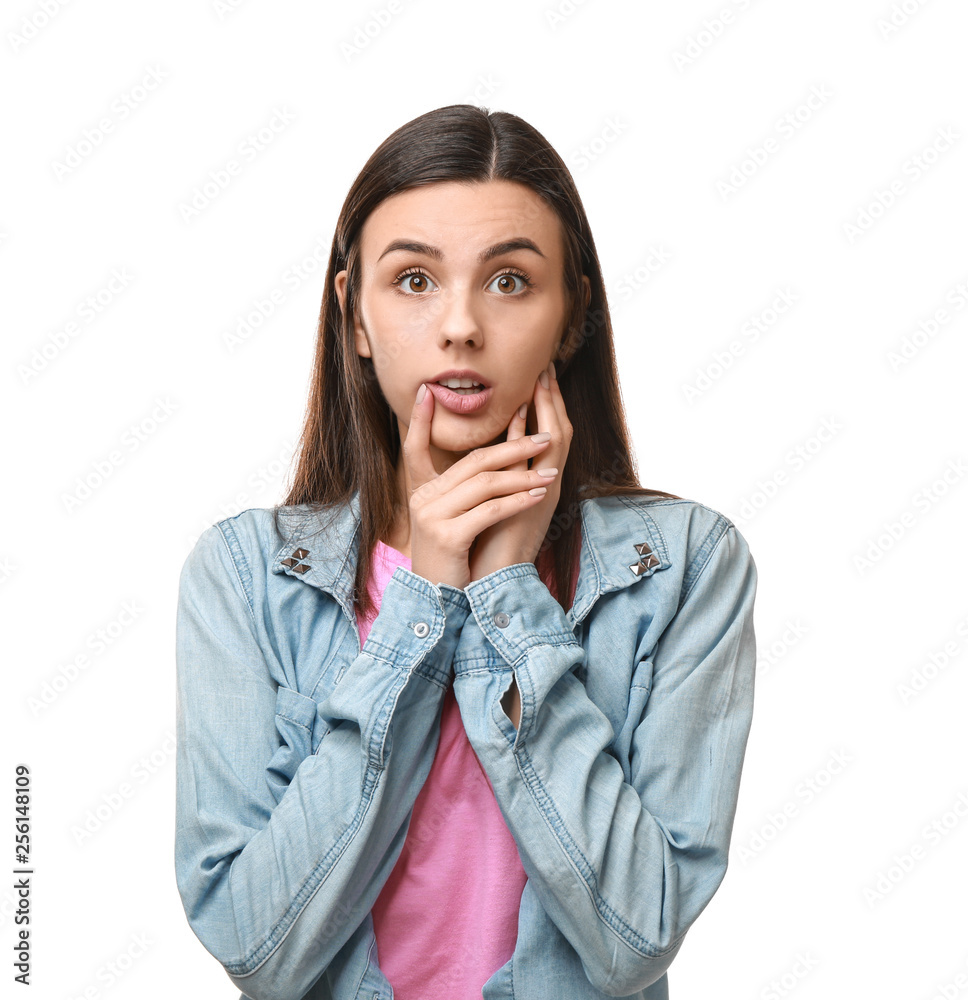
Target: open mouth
463 387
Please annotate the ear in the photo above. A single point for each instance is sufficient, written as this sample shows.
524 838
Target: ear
359 334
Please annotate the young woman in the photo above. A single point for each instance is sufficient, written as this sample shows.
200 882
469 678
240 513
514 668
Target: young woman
466 715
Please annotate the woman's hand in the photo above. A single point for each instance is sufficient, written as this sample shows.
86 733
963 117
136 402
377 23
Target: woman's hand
518 537
488 486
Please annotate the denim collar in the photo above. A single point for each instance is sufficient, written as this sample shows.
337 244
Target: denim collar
618 533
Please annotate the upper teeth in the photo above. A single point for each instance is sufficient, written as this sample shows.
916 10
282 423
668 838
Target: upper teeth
458 383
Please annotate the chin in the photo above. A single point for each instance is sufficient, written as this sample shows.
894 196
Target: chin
465 441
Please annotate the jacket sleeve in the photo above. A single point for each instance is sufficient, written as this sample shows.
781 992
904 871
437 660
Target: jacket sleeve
276 871
621 868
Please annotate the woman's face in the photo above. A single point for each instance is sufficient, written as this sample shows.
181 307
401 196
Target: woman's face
441 291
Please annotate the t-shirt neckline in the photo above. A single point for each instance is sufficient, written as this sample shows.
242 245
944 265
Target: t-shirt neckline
390 548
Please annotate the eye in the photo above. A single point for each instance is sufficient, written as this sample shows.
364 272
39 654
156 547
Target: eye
511 282
404 281
522 280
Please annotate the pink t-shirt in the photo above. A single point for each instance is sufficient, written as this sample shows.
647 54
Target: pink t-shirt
447 918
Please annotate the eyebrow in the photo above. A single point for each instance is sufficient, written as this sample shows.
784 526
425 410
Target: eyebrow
506 246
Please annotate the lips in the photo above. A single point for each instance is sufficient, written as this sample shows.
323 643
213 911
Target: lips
462 373
457 402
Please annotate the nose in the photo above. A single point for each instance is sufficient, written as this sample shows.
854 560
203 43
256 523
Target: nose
457 322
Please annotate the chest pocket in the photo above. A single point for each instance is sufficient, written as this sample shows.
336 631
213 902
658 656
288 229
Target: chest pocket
299 734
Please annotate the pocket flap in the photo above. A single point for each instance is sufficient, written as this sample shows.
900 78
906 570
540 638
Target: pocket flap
296 707
295 722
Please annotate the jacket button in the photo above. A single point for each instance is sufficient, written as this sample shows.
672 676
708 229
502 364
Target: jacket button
501 620
421 629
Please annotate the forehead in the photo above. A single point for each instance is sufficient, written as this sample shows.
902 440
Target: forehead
460 217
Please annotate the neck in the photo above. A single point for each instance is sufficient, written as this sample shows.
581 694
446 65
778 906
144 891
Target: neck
400 535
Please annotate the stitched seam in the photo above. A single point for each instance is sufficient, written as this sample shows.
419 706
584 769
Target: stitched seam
383 726
232 549
480 664
296 722
416 583
436 677
336 657
651 526
369 962
420 668
500 642
568 640
505 575
593 555
394 657
454 605
262 953
706 549
662 502
609 915
486 670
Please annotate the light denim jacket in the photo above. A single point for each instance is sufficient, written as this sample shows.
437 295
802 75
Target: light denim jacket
299 756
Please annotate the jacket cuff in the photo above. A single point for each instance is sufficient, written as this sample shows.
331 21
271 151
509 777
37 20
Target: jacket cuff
418 625
516 620
515 611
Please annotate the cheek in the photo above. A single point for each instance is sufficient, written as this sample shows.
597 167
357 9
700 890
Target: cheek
395 395
397 340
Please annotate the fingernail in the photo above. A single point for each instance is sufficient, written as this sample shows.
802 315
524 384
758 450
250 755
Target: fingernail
548 473
523 410
543 378
554 373
421 392
543 436
538 491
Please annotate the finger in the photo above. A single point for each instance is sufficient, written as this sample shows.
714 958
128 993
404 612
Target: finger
546 414
479 519
485 473
516 430
475 501
489 458
558 400
416 447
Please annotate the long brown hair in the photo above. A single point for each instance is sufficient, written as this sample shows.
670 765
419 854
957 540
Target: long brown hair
350 440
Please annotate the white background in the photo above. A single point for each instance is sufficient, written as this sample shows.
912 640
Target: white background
836 439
